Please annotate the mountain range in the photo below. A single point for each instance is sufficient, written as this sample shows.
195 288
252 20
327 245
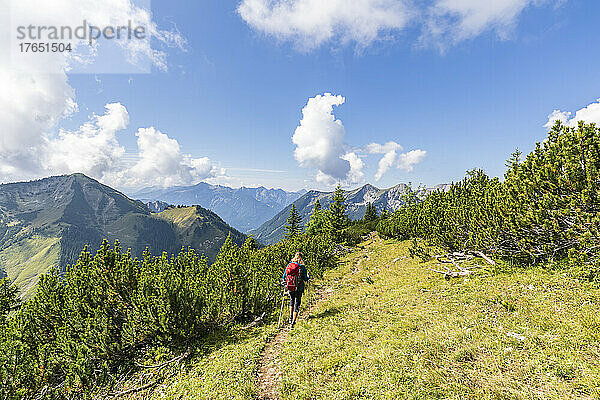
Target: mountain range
356 204
242 208
48 222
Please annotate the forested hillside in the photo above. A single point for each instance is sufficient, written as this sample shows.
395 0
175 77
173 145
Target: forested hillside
47 223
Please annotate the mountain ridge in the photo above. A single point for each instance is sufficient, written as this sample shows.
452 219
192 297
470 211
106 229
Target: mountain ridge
356 204
47 222
243 208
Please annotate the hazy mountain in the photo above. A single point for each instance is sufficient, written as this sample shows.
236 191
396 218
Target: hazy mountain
243 208
356 203
48 222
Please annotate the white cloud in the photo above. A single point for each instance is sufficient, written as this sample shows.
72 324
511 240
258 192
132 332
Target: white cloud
407 161
161 163
589 114
557 115
311 23
389 156
376 148
385 164
452 21
355 175
320 144
319 139
93 149
69 13
29 106
36 94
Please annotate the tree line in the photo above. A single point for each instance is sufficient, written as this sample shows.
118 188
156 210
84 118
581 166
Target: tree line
545 209
85 328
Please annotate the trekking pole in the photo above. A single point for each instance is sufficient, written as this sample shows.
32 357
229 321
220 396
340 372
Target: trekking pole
281 310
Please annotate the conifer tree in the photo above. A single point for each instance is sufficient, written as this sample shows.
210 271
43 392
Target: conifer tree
370 213
294 223
317 205
337 214
384 214
319 224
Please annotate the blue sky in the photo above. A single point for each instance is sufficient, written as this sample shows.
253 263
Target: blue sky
235 92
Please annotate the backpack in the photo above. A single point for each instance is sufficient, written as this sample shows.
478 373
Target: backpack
292 276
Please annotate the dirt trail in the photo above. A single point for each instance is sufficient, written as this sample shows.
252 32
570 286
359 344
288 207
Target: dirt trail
269 371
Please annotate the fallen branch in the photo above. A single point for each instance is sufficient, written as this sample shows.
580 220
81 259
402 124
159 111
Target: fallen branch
256 321
486 258
442 259
159 366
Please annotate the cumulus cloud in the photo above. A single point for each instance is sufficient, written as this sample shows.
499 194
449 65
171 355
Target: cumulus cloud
557 115
29 106
161 163
59 13
452 21
310 23
319 140
355 175
389 156
407 161
36 94
93 149
589 114
320 144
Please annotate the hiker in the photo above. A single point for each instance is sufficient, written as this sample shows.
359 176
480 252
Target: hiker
294 276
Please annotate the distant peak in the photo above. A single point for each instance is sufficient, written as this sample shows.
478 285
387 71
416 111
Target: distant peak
368 186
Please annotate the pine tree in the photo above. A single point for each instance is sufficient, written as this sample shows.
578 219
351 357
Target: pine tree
294 223
370 213
319 223
337 214
384 214
317 205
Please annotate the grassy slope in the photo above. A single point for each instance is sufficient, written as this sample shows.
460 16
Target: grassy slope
222 367
411 334
226 371
200 228
396 330
26 259
182 217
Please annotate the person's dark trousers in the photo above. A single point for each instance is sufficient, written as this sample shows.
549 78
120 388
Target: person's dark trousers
295 299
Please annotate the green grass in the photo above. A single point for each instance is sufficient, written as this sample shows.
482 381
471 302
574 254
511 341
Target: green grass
395 330
398 330
223 366
225 372
25 260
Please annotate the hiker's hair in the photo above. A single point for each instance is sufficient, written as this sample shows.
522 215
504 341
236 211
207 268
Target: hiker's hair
297 257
